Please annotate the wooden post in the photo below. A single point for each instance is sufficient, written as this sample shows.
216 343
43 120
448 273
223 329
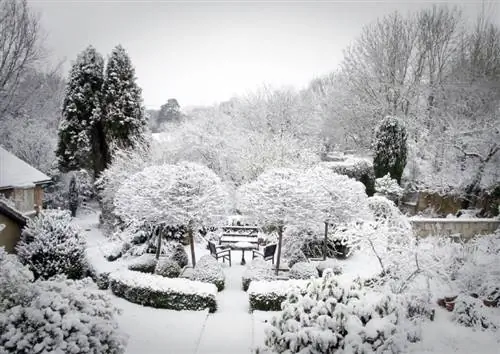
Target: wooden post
191 242
325 241
280 238
158 244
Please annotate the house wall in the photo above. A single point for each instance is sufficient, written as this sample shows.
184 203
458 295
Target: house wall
10 235
39 196
24 198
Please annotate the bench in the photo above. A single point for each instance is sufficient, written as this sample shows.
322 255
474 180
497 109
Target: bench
237 234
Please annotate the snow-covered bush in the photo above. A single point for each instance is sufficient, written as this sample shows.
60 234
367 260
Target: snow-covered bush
208 270
269 295
389 187
303 270
176 252
167 268
160 292
258 269
145 263
51 245
329 264
56 194
332 316
472 312
361 169
296 257
56 316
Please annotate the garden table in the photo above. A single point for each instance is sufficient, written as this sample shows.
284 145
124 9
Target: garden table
244 246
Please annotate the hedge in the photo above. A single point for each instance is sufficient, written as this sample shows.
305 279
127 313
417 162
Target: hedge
208 270
268 295
160 292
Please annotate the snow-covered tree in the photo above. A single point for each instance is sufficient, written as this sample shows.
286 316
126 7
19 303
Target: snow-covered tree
82 141
73 195
169 112
184 194
124 116
390 148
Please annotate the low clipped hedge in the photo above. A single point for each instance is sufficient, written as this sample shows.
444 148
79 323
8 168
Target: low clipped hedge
160 292
269 295
303 270
257 270
208 270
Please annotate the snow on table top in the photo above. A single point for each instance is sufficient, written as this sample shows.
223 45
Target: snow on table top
279 287
159 283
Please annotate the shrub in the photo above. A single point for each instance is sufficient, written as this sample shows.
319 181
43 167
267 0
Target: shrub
389 187
176 252
296 257
56 316
208 270
303 270
269 295
360 169
145 263
471 312
329 264
167 268
51 245
169 293
331 316
258 269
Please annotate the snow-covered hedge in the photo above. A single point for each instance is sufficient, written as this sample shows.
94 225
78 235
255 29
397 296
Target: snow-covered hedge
167 268
50 244
208 270
361 169
145 263
258 269
303 270
269 295
329 264
176 252
389 187
56 316
331 317
160 292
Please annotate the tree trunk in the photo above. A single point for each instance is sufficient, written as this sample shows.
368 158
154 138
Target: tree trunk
280 239
158 245
325 241
191 242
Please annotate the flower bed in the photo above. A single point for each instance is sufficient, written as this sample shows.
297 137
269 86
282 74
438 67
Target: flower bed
268 295
160 292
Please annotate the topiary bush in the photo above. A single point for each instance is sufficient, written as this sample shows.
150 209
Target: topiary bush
56 316
329 264
330 316
160 292
145 263
258 269
50 245
269 295
176 252
167 268
208 270
303 270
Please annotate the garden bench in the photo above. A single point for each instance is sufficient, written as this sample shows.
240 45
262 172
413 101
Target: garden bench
224 253
237 234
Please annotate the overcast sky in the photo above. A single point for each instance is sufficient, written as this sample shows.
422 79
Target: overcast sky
202 52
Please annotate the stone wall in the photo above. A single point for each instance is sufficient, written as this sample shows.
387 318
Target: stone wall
466 228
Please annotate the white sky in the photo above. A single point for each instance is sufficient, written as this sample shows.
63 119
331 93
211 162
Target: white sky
202 52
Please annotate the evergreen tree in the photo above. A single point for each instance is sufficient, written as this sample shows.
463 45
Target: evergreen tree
390 148
125 118
169 112
81 137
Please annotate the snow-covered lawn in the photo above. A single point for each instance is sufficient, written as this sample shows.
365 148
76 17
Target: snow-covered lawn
232 329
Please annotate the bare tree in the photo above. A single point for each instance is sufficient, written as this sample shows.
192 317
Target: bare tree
20 48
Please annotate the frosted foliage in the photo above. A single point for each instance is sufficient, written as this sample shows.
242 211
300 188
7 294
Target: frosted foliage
62 316
183 194
50 244
388 186
340 317
15 280
303 270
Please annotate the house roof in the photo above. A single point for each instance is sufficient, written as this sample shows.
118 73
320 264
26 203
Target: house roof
14 172
12 213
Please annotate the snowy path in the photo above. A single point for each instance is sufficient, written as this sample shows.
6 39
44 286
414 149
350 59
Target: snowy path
230 329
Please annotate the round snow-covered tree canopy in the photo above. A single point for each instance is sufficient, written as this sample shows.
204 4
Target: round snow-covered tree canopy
182 194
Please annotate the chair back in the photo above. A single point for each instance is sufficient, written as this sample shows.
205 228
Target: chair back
269 250
212 248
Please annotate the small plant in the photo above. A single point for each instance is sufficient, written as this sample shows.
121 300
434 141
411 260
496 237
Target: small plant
167 268
303 270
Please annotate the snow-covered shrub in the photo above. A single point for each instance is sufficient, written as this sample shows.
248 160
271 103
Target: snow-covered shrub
51 245
145 263
329 264
56 194
269 295
160 292
258 269
389 187
472 312
303 270
361 169
167 268
176 252
208 270
332 316
296 257
55 316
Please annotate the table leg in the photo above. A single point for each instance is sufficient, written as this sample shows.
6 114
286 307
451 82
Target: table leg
243 257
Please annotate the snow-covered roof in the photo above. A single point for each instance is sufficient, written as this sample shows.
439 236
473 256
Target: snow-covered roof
14 172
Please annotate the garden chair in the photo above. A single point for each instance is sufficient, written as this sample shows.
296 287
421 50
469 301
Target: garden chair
267 254
218 252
